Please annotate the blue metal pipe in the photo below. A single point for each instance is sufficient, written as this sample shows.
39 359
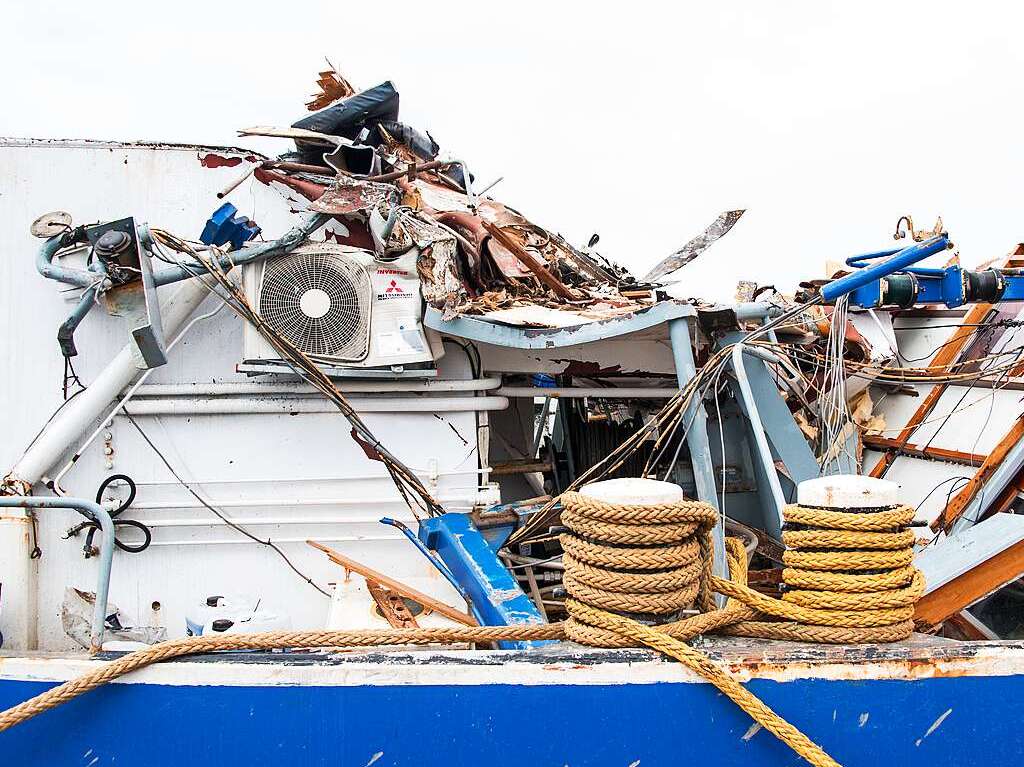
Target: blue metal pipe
100 515
83 278
904 258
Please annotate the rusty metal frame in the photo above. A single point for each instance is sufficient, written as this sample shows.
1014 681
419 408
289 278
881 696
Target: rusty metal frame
926 452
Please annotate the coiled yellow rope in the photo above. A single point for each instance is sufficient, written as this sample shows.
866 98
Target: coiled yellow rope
849 580
848 577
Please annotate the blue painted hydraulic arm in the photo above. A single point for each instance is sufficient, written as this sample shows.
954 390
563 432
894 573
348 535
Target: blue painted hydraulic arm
494 593
889 278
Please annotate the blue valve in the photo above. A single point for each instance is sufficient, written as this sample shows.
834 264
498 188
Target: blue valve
225 227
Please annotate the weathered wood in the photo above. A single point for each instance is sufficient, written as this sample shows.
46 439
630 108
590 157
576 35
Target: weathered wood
385 580
928 452
956 506
969 627
519 467
965 590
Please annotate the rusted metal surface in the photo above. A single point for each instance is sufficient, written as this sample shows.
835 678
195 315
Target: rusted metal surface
307 189
392 606
348 196
218 161
530 262
718 228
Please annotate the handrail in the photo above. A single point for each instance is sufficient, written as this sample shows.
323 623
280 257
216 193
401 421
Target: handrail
102 516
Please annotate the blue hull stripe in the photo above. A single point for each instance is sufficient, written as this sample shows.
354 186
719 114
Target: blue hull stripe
938 722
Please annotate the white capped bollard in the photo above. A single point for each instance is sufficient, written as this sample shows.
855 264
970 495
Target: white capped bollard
848 491
637 548
633 491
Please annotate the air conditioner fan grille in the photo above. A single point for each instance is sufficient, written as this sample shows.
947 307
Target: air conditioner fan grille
320 302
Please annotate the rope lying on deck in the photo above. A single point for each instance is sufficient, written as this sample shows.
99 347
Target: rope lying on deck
849 579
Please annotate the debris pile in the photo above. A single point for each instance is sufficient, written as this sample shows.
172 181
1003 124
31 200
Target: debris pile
845 368
390 186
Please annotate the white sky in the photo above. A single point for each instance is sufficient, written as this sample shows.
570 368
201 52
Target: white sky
640 121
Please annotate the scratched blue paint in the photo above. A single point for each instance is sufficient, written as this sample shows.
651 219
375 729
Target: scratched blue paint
520 726
494 593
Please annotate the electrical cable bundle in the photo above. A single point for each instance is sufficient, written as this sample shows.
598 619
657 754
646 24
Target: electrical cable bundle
409 486
836 424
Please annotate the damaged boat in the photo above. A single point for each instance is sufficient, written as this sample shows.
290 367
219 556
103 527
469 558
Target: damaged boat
336 457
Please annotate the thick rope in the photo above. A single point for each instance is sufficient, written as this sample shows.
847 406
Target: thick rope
703 665
658 572
177 648
832 596
849 579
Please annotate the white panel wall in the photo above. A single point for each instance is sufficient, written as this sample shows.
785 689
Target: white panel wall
288 477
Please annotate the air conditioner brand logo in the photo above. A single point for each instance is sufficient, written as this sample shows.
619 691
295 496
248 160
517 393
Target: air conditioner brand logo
394 290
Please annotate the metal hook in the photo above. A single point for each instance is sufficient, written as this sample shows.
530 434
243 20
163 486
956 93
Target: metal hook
900 233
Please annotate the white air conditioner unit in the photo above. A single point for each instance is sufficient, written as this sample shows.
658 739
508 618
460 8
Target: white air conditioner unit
340 306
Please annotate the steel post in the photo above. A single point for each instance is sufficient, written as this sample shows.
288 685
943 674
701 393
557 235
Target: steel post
697 435
760 439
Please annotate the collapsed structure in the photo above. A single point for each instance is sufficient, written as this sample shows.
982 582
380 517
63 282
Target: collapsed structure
489 372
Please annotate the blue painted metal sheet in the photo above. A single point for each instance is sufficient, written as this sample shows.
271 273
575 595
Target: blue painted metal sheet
935 722
550 338
786 440
495 594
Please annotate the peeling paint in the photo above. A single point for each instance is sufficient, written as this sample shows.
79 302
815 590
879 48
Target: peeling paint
374 758
863 720
216 161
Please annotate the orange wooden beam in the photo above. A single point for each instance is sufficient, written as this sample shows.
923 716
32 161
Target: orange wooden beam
397 586
956 506
934 453
965 590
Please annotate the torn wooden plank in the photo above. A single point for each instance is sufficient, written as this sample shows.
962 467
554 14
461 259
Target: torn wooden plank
946 355
385 580
960 570
927 452
970 628
530 262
